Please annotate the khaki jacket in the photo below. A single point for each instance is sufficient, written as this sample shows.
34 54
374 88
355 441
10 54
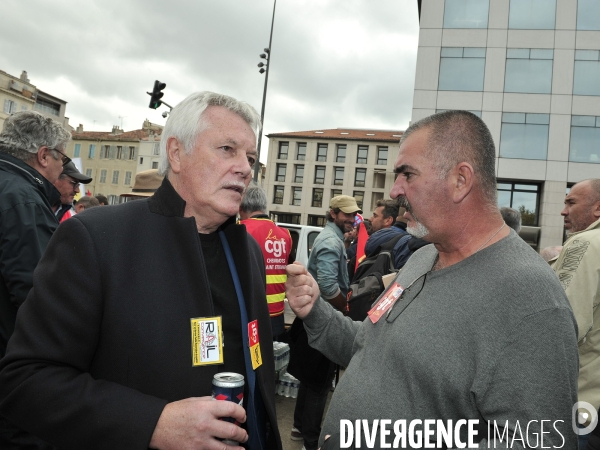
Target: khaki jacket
578 269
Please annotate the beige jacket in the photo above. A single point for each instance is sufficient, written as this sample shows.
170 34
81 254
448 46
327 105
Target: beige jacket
578 269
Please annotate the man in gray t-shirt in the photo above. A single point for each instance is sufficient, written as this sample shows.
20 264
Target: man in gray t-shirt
474 342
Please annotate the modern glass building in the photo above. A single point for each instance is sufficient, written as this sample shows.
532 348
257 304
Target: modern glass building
531 70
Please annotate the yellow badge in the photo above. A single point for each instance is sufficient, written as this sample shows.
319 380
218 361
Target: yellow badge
254 344
207 341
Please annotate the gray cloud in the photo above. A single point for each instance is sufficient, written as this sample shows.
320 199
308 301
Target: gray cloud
335 64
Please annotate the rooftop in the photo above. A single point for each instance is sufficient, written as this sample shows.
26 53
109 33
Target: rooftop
352 134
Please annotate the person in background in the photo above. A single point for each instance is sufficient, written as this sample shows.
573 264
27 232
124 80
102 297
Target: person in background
276 245
162 294
578 269
327 265
511 217
86 203
31 159
68 185
102 199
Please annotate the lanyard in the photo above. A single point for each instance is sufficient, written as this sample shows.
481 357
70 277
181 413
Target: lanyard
254 436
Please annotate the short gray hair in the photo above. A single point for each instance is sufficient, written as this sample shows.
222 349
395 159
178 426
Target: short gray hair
460 136
26 131
255 199
185 121
511 217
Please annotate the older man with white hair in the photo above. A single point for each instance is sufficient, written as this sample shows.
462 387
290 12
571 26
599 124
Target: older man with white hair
165 293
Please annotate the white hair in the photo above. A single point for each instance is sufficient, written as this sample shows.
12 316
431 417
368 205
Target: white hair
185 121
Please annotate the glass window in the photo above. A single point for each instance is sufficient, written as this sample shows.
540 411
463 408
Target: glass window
361 156
588 15
296 196
317 197
278 195
287 218
120 152
132 153
338 178
156 150
528 70
299 175
462 69
585 139
340 156
115 179
321 152
316 221
283 150
127 178
92 151
360 177
587 72
88 173
77 151
359 196
103 176
524 136
301 151
155 165
466 13
336 192
532 14
382 155
280 174
523 198
320 175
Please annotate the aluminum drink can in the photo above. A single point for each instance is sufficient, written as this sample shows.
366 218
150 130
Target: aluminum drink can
229 386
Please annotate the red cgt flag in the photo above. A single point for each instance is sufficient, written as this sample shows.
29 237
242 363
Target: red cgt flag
360 245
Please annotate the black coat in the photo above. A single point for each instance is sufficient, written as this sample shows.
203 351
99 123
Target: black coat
103 342
26 226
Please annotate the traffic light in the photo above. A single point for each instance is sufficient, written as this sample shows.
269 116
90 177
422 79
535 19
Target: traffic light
155 97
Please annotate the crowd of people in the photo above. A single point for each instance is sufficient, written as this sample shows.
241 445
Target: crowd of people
104 348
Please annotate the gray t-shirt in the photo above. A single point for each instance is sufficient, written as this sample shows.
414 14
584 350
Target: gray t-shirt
491 338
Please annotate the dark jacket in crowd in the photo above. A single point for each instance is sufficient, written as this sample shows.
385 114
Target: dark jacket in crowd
401 251
95 359
26 226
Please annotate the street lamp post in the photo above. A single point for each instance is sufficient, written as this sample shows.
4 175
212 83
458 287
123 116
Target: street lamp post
266 56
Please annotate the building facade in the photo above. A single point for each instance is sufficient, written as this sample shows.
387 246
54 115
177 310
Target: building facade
18 94
531 70
113 158
306 169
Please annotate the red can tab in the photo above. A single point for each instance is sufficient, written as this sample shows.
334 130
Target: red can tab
253 333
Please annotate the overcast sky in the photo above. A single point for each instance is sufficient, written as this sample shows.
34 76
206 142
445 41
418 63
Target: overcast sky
335 63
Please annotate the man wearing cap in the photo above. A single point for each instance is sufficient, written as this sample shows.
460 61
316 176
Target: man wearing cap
328 266
68 185
145 185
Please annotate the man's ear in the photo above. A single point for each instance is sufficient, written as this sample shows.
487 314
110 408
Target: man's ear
389 221
596 209
462 179
174 151
43 155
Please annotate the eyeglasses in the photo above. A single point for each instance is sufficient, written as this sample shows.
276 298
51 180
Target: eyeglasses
65 159
75 184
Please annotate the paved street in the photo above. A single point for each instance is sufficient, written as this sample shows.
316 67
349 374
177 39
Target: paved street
285 419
